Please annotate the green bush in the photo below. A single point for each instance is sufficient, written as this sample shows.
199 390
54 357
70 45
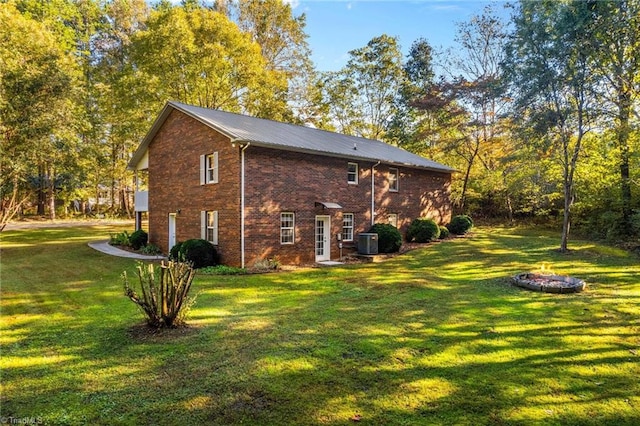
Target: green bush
174 253
389 238
423 230
138 239
444 232
460 224
120 239
151 249
199 252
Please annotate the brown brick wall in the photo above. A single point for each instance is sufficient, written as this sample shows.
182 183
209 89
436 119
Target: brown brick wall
174 184
282 181
276 181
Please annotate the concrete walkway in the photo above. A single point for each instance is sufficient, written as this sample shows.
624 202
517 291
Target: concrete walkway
105 247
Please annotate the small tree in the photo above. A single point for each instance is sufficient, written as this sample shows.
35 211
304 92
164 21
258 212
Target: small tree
163 301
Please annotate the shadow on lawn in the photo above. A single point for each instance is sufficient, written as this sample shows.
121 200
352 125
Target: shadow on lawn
412 341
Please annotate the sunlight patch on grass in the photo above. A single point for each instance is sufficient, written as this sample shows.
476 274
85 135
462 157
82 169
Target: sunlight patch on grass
200 402
279 365
33 361
251 324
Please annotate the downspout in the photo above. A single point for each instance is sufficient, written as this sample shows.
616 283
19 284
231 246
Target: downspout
242 203
373 193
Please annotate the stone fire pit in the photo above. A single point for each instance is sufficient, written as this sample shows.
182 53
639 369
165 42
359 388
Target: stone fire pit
548 283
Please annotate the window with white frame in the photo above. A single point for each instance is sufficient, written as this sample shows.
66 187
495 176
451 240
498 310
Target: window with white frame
287 226
352 173
393 219
209 223
209 168
394 177
347 227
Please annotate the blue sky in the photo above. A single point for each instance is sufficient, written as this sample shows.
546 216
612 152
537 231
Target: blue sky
337 26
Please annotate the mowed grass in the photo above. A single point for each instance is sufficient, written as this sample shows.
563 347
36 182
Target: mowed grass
435 336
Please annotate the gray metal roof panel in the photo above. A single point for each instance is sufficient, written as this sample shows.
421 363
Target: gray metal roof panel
291 137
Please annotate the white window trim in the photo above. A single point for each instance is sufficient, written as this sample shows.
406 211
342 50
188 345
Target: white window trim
206 167
357 173
397 175
204 226
391 218
292 228
348 227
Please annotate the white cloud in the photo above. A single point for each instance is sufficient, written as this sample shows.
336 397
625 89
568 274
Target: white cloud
292 3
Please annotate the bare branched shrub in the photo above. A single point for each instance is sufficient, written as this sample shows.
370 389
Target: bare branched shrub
163 299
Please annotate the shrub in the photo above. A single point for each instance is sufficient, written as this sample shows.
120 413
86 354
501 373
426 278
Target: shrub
120 239
164 301
199 252
444 232
267 264
174 253
423 230
460 224
138 239
389 238
151 249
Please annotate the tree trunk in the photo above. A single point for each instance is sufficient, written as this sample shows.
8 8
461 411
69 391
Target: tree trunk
566 220
51 192
41 191
624 112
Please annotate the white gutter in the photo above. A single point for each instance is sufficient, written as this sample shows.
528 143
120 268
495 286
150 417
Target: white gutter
242 203
373 193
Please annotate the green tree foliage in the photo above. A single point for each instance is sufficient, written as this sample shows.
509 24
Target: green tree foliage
551 68
37 105
198 56
362 95
614 32
283 43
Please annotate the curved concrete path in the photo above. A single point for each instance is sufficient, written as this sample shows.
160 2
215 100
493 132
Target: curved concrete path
105 247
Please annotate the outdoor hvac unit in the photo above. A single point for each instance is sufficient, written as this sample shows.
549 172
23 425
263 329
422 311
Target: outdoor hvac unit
368 243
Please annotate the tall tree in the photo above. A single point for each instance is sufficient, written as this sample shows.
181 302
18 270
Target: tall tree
363 93
197 55
615 35
124 104
552 71
283 43
37 108
410 127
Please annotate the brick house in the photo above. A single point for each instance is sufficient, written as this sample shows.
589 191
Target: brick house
260 189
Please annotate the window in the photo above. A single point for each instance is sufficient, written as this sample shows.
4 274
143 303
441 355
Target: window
393 219
393 180
287 223
352 173
209 223
347 227
209 168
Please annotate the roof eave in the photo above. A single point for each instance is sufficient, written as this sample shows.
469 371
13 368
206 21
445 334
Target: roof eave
157 124
263 144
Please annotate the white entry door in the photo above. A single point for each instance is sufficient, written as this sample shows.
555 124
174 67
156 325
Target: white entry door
323 238
172 230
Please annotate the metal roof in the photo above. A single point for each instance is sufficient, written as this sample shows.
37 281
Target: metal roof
273 134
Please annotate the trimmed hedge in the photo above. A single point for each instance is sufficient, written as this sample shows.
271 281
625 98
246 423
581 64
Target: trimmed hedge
201 253
444 232
138 239
423 230
460 224
389 238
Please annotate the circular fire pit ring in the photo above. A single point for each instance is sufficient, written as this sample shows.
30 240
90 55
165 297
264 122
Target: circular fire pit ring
548 283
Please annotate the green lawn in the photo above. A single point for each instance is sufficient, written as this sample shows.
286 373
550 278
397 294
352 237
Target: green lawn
435 336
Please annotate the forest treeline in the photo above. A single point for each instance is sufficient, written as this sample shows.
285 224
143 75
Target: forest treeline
539 113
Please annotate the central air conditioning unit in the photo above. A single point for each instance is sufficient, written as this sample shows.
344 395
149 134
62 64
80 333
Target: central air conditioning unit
367 243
